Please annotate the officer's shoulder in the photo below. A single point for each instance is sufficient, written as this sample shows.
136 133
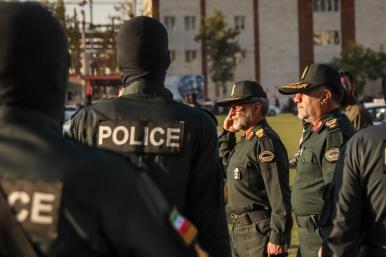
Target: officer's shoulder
264 134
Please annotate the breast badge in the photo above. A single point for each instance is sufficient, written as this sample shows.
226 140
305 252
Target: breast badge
236 174
332 154
266 156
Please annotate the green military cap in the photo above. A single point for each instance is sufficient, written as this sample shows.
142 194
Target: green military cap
245 91
313 76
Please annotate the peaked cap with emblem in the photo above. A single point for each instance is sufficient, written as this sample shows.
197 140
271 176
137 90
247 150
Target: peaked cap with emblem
243 92
313 76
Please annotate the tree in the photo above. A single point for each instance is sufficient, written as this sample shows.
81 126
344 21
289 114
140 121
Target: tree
364 63
223 48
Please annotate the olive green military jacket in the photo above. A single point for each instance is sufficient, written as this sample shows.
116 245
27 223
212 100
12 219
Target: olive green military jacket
359 213
358 115
258 177
319 152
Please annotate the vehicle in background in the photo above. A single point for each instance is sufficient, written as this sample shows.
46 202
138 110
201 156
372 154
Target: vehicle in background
377 111
273 110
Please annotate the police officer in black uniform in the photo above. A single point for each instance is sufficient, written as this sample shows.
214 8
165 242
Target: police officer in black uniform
317 96
70 199
359 205
257 175
176 142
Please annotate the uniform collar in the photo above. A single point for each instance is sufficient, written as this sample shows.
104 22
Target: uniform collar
326 117
249 134
146 87
22 116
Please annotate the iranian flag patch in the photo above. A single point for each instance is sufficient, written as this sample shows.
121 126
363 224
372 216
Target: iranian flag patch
183 226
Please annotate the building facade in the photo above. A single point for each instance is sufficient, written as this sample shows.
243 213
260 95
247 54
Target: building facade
280 37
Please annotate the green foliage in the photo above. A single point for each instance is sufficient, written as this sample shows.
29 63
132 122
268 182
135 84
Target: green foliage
223 49
364 63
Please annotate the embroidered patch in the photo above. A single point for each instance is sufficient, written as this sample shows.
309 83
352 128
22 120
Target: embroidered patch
332 154
297 85
317 126
260 133
332 123
266 156
183 226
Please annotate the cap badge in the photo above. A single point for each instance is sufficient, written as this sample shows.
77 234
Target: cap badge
332 154
304 72
266 156
233 90
331 123
260 133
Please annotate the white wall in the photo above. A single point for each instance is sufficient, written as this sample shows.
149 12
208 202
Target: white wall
279 44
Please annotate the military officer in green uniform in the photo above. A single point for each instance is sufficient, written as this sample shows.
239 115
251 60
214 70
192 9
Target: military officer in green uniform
317 97
257 175
359 207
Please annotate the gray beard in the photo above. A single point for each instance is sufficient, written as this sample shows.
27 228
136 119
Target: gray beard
242 123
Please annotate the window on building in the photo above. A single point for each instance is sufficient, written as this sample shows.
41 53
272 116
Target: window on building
326 5
336 5
239 22
316 5
173 55
170 23
322 5
190 22
190 56
326 38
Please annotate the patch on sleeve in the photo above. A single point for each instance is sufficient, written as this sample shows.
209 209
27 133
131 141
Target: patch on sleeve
36 205
266 156
260 133
141 136
332 154
183 226
333 123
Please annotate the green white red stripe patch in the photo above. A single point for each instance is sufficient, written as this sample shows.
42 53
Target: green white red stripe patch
183 226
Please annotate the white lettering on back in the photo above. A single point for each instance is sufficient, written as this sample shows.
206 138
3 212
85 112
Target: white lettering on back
24 198
104 132
132 137
125 137
42 202
171 136
152 136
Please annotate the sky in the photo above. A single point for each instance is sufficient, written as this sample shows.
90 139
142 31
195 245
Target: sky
102 9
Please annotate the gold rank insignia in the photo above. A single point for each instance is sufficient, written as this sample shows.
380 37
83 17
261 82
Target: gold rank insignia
332 154
266 156
332 123
260 133
304 72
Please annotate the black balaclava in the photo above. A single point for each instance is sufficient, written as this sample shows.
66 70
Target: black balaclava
33 59
143 50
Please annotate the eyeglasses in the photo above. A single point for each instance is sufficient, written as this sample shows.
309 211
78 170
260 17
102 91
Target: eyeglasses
240 107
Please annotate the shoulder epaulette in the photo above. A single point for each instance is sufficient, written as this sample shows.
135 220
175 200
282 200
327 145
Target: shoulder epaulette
260 133
332 124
